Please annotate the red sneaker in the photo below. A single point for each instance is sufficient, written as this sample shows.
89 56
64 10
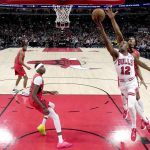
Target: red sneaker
147 126
125 114
64 145
133 134
143 125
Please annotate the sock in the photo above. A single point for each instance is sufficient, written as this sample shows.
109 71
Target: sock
44 120
60 139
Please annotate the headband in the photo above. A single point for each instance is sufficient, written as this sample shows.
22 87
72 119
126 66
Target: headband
38 66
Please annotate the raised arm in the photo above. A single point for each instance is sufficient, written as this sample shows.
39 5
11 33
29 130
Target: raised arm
51 92
139 73
107 42
141 64
115 25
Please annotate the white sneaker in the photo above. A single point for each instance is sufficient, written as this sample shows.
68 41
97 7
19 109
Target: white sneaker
15 90
25 93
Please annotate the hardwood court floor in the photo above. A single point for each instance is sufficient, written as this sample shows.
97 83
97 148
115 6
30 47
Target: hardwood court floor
89 103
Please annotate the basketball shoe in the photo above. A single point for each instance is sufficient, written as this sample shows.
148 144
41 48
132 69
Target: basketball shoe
125 114
15 90
145 125
41 129
64 144
25 93
133 134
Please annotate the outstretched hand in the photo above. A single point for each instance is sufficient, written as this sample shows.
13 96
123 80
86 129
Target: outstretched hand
51 92
110 13
142 82
99 24
54 92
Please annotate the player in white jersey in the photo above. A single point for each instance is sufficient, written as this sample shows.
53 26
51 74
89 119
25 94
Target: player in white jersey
132 50
125 67
124 63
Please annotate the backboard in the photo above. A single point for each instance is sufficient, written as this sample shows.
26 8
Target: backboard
64 2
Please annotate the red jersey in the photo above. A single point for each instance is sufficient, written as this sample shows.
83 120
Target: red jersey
19 70
137 54
17 60
39 94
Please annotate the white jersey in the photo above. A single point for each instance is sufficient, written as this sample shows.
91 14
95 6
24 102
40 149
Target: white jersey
125 67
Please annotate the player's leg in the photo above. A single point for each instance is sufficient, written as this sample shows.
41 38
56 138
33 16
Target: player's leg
144 121
132 111
18 80
25 81
57 124
141 107
56 120
131 107
138 96
41 127
124 98
139 100
125 106
15 89
25 92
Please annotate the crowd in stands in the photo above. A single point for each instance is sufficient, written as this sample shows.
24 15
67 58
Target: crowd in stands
40 30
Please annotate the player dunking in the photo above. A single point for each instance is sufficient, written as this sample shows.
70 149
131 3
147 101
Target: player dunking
45 107
19 70
124 63
135 53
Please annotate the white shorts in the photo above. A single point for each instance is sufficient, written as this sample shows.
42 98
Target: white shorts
129 88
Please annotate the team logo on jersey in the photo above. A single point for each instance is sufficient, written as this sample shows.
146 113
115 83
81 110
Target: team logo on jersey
125 62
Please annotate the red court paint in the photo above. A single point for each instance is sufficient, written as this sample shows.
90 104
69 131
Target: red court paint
63 62
90 122
62 50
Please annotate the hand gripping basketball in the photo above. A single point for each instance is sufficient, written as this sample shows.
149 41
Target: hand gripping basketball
98 15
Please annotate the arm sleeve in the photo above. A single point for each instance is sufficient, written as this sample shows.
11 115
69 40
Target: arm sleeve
38 80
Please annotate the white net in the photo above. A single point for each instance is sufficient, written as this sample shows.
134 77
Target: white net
62 16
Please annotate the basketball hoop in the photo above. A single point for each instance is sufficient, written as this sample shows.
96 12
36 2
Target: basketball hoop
62 16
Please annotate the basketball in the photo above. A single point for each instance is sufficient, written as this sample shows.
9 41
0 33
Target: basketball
98 15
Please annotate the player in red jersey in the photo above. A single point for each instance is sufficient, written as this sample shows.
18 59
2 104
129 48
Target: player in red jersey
132 49
44 106
19 70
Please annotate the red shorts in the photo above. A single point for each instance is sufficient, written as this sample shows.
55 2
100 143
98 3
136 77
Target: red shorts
19 70
36 106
